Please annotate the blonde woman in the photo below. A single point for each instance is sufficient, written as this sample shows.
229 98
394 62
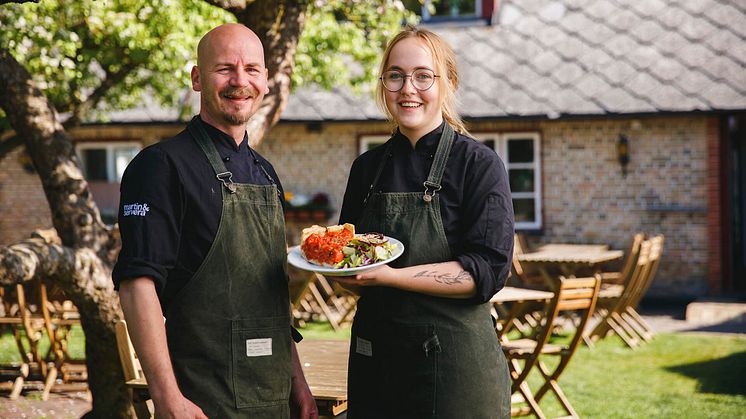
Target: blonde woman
423 341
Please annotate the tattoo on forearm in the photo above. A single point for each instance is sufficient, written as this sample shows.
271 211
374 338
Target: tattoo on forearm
445 278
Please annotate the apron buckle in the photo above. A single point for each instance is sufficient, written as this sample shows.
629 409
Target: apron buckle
227 179
428 196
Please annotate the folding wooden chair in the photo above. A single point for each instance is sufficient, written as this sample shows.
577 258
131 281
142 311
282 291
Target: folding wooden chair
11 319
611 316
630 313
525 275
133 375
576 295
622 276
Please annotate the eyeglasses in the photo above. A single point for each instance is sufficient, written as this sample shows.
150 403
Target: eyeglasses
422 79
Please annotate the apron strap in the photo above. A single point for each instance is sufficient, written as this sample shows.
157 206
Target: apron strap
432 184
207 146
384 159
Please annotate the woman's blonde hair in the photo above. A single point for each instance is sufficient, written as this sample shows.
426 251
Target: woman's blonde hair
445 67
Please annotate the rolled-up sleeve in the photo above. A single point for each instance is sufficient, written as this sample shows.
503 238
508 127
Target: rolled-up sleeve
486 249
150 210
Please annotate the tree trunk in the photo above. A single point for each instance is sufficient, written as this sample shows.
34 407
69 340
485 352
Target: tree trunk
81 258
279 26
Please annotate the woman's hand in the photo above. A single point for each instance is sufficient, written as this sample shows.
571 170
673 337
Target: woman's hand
381 276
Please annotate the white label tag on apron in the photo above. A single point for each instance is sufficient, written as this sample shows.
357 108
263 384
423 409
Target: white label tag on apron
259 347
364 347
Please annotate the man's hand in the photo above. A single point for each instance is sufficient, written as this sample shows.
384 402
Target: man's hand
177 407
302 404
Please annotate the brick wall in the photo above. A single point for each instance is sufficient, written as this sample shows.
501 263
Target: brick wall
23 204
585 197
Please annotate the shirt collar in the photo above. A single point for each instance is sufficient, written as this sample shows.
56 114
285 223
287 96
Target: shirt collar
428 141
223 138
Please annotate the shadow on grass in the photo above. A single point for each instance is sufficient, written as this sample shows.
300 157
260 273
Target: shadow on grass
719 376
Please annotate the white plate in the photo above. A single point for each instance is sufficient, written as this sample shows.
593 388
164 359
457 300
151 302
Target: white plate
297 260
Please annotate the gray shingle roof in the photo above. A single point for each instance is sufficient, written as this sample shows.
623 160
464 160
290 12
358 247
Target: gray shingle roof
583 57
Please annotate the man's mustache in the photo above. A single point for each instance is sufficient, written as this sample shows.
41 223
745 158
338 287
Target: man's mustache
238 92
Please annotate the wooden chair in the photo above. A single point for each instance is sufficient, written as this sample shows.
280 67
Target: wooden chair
613 305
526 275
630 313
133 375
576 295
11 319
622 276
29 313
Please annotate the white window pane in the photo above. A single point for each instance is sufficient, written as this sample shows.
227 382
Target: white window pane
122 157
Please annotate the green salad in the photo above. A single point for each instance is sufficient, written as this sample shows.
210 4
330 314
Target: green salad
366 249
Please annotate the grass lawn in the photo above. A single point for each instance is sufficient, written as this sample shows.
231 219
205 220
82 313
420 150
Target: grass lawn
675 376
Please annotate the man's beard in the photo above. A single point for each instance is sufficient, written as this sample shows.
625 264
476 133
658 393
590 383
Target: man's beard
237 118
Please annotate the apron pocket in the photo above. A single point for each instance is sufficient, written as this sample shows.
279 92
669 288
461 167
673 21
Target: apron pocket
260 365
411 376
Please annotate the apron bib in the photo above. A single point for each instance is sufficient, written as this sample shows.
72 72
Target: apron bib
413 355
227 329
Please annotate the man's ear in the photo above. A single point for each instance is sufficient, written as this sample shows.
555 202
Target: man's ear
196 84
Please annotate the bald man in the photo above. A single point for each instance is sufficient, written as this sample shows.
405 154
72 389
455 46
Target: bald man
203 245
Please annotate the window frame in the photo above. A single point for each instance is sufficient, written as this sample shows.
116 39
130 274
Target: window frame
428 18
501 148
364 141
109 147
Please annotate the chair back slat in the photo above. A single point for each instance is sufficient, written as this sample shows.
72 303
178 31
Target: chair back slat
127 356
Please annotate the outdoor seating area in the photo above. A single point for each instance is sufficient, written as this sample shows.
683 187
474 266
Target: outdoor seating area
40 318
541 325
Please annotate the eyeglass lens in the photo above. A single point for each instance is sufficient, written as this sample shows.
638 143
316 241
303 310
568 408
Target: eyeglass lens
422 79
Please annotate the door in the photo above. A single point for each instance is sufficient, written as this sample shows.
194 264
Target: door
737 199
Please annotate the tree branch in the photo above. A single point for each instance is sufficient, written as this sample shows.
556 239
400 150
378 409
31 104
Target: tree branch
17 1
81 108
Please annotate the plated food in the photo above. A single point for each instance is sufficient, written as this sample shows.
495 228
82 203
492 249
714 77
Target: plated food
338 251
339 247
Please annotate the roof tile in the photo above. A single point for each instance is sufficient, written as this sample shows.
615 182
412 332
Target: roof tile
647 7
729 17
546 62
647 31
644 56
619 72
567 73
601 9
591 85
620 45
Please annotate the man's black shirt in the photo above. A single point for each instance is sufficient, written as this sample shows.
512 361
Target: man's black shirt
475 202
171 204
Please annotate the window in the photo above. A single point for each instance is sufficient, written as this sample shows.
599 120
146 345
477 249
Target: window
434 10
520 153
369 142
105 162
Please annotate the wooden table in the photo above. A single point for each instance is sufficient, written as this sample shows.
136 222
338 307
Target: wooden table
324 364
515 294
570 258
507 316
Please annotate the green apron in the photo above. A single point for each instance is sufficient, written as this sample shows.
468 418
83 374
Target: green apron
228 328
413 355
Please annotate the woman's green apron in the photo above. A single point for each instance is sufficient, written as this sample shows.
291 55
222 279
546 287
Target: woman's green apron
413 355
228 329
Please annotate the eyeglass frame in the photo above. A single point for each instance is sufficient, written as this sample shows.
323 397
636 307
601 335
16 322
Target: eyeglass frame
405 75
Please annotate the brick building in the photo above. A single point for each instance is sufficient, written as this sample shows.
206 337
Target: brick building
555 87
